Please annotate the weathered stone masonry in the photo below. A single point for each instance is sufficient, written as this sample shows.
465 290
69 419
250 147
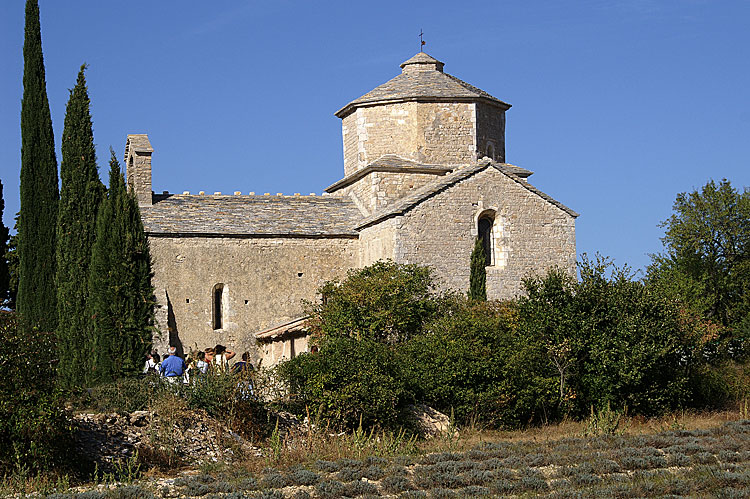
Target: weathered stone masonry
424 161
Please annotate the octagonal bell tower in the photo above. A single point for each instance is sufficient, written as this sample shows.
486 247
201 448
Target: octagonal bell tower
423 115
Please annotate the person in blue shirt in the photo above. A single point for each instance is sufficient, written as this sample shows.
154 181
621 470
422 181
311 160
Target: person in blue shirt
173 367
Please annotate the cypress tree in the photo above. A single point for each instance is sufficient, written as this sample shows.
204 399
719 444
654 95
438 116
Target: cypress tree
80 196
4 270
478 276
121 296
39 191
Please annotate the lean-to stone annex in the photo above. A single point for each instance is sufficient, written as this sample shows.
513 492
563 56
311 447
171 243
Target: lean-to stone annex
424 176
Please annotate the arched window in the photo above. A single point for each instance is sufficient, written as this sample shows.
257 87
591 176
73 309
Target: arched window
218 306
485 223
490 150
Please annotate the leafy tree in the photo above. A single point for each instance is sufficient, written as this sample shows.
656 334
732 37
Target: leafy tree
385 301
4 268
39 190
607 340
478 277
706 263
120 293
81 195
551 321
636 351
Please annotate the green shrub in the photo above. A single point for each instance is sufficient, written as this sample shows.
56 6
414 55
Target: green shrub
330 489
349 381
34 428
608 340
386 302
129 492
303 477
457 363
395 484
121 396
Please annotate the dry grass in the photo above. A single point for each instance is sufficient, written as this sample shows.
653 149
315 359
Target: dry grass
703 454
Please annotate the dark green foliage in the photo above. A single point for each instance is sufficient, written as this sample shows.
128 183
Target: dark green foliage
38 190
350 379
605 340
121 396
706 263
385 302
4 268
34 430
478 276
80 197
11 256
457 364
121 297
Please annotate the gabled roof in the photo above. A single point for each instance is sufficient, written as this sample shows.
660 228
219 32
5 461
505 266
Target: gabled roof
426 82
408 202
296 325
248 216
390 163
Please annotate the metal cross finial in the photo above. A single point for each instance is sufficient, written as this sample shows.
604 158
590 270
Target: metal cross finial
421 42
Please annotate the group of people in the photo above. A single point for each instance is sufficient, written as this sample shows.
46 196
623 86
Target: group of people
213 359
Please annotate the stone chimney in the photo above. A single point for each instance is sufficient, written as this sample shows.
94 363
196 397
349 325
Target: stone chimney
138 167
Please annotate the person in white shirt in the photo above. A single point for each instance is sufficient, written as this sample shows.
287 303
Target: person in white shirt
221 359
152 363
201 363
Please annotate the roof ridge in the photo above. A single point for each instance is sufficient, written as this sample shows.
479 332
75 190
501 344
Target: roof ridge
408 202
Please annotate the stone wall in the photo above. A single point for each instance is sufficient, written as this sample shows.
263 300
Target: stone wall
285 347
138 152
447 133
265 281
433 133
378 242
379 189
531 234
491 130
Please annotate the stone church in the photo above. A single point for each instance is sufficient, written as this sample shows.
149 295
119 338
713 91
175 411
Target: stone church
424 176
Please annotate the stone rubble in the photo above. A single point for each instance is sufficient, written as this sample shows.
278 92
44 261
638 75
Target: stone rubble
194 438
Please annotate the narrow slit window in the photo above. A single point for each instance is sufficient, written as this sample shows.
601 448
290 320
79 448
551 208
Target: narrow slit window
218 300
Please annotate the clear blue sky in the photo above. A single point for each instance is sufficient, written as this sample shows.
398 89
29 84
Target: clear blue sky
617 105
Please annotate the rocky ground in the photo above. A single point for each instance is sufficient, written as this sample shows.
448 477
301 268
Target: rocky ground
712 462
192 439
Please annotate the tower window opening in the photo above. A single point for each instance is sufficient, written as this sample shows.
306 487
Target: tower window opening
490 151
485 234
218 303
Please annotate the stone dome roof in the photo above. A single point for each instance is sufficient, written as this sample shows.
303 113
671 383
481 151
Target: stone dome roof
421 79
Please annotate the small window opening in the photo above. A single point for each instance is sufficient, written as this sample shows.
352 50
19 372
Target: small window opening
485 234
218 306
299 274
490 151
187 300
247 301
